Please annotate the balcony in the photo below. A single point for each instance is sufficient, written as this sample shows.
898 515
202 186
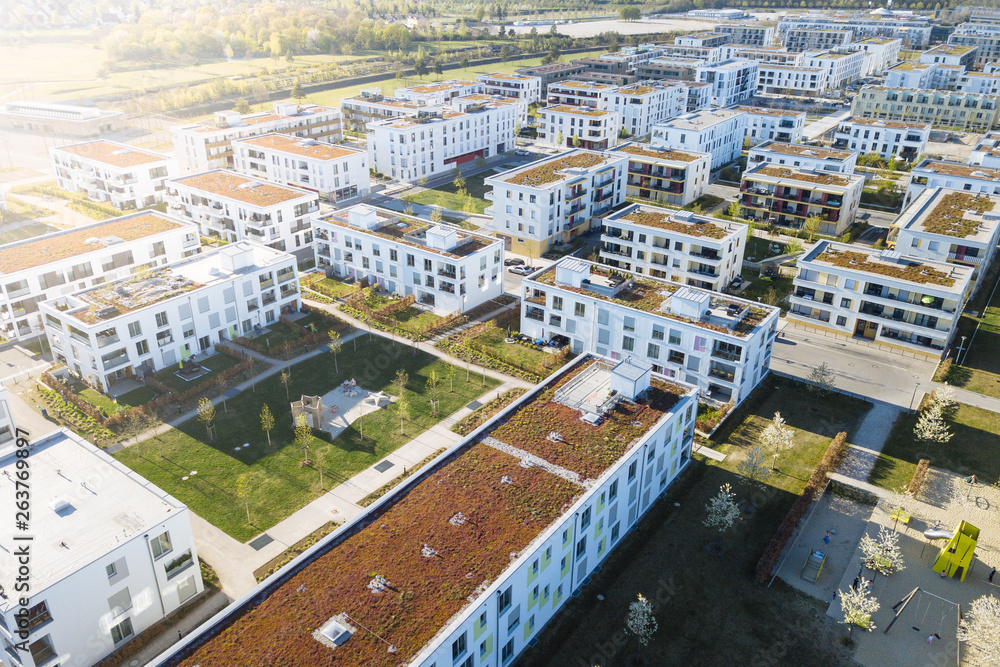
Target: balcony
268 298
721 374
115 361
727 355
536 314
962 257
822 317
445 273
707 254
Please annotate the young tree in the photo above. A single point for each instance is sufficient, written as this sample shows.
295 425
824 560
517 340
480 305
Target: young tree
303 435
436 66
822 379
335 344
206 415
776 435
403 407
245 486
286 379
931 427
858 605
559 138
771 297
457 179
945 397
481 161
241 106
793 247
470 206
735 210
402 377
576 141
754 468
136 423
251 366
266 421
721 511
641 623
432 390
882 555
436 214
297 93
223 382
980 630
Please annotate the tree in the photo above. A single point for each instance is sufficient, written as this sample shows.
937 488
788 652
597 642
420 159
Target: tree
436 214
206 415
335 344
630 14
641 623
945 397
436 66
980 630
754 468
303 435
245 485
136 423
858 605
931 427
241 106
481 161
458 181
771 297
559 138
223 382
813 224
470 206
286 379
882 554
297 92
822 378
793 247
251 363
735 210
266 421
432 391
721 511
505 53
576 141
777 437
403 408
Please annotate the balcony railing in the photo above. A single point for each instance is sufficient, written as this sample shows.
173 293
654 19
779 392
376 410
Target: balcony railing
726 355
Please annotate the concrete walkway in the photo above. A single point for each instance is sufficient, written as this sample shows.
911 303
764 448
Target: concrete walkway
868 441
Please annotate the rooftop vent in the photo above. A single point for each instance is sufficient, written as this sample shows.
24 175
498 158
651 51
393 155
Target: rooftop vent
59 505
335 631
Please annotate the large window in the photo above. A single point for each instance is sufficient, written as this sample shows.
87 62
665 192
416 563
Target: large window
42 650
122 631
161 544
38 615
458 647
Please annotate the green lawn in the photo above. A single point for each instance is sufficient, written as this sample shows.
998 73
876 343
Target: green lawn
973 450
285 485
216 362
329 286
447 196
758 249
414 319
527 358
980 370
759 286
706 202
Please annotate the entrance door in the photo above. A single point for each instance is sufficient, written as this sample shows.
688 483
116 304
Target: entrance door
865 329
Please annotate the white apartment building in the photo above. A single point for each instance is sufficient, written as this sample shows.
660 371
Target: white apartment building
665 175
446 269
112 555
719 343
810 39
979 83
707 40
789 197
898 302
371 105
679 246
956 55
206 145
42 267
750 34
881 53
61 119
233 207
777 55
773 124
436 141
984 36
668 69
577 93
913 30
553 200
632 56
646 103
473 103
952 175
589 505
775 79
580 127
146 322
719 14
699 96
910 74
719 132
519 86
954 110
117 174
949 226
337 173
803 157
440 93
986 152
710 54
888 138
732 81
841 68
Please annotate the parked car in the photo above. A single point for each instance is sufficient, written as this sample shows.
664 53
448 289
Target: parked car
513 261
521 270
521 151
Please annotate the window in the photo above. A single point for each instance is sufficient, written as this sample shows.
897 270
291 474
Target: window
134 329
628 343
629 323
585 519
42 650
122 631
514 619
841 321
503 602
161 319
602 316
615 530
613 491
581 548
534 567
38 616
458 647
507 654
657 332
161 544
120 602
631 471
653 351
675 337
557 302
142 348
579 309
845 303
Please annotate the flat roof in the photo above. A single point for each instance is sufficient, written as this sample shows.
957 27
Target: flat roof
948 277
950 49
663 154
575 83
911 66
505 75
107 505
894 124
42 250
680 222
412 231
791 174
959 169
802 150
960 215
576 111
440 540
777 113
553 169
439 87
112 153
304 147
255 119
699 120
231 185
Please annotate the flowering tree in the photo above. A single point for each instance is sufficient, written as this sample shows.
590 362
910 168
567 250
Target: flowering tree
931 427
945 397
882 555
777 436
721 511
754 467
641 623
980 630
858 605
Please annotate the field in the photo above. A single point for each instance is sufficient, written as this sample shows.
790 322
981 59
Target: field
279 483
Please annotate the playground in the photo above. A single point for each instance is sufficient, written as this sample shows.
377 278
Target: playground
337 409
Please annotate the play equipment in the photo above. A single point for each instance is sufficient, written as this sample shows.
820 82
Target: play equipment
813 565
312 408
956 555
938 534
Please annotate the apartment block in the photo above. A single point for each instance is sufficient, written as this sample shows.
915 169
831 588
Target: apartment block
632 56
811 39
957 55
707 40
519 86
581 126
773 124
614 72
699 96
446 269
141 324
913 30
910 74
750 34
802 157
120 555
777 55
665 175
932 174
949 226
473 103
789 197
979 83
436 141
553 200
985 37
962 111
718 14
898 302
207 145
710 54
551 73
60 119
888 138
43 267
673 68
719 132
588 505
986 152
880 53
575 93
718 343
114 173
337 173
841 68
370 105
644 104
685 248
440 93
732 81
775 79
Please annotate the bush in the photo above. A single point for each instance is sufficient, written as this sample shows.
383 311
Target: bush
917 482
943 369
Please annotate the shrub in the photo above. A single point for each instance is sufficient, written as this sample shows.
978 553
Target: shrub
917 482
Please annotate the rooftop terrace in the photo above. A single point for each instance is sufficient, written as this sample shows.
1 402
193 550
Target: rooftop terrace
797 175
646 150
682 222
959 169
412 231
304 147
802 150
956 214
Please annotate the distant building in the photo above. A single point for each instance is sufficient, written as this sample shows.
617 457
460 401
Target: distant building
957 110
520 86
841 67
644 104
880 53
932 174
810 39
60 119
118 174
439 93
985 37
709 40
913 30
732 81
950 54
775 79
720 14
551 73
579 126
749 34
986 152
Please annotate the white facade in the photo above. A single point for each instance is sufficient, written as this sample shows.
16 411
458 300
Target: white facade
118 555
767 124
576 93
208 145
665 175
986 152
679 246
145 323
899 302
750 34
719 343
888 138
336 173
841 68
913 30
984 36
445 268
440 93
581 127
704 39
881 53
950 54
646 103
732 81
979 83
554 200
474 102
118 174
40 268
719 132
910 74
803 157
519 86
777 55
371 105
436 141
808 39
632 56
791 80
232 207
952 175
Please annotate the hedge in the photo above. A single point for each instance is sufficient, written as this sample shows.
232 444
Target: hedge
919 475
